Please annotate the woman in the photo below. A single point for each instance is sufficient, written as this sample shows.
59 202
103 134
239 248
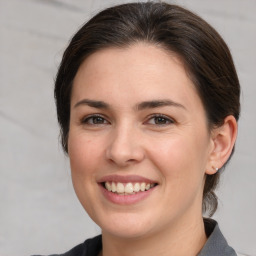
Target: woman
148 102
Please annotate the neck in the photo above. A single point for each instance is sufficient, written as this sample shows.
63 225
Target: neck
181 239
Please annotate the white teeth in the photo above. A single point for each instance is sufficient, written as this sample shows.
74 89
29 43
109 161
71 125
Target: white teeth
113 187
120 188
127 188
136 187
143 186
108 186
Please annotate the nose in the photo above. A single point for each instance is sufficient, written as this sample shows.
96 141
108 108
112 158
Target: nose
125 147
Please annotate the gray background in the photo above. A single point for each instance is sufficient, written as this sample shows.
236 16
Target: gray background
39 212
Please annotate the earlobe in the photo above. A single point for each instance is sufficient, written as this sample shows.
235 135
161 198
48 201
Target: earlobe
223 138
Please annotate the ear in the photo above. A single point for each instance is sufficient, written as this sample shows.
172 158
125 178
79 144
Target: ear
223 140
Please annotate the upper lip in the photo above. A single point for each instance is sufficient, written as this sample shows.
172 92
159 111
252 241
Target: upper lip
125 179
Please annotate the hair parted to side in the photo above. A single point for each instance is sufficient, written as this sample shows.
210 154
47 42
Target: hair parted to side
205 55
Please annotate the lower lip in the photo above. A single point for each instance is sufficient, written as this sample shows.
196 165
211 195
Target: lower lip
126 199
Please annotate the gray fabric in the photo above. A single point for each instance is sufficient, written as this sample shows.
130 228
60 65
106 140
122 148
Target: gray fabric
216 243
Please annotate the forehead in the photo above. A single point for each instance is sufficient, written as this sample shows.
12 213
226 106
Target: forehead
135 56
142 70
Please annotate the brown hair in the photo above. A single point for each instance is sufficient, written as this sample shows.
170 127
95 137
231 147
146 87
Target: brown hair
202 50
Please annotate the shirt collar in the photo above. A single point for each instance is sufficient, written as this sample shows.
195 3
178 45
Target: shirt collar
216 243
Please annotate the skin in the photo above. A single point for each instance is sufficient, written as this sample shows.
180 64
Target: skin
176 151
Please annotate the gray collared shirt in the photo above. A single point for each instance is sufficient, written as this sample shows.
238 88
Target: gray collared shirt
216 244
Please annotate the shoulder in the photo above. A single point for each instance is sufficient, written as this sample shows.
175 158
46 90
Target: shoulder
91 247
216 243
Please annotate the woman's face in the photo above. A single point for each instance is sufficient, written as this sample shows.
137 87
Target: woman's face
137 123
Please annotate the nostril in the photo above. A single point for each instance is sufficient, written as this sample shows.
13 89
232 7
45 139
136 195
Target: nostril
124 150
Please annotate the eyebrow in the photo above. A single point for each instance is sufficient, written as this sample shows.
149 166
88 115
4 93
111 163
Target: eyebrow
92 103
157 104
141 106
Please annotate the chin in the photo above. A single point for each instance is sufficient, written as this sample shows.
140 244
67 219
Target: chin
126 232
126 226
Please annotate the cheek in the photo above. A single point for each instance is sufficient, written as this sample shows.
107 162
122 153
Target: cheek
85 157
181 164
181 159
84 153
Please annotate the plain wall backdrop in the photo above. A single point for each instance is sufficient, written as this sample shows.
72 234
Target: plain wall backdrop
39 212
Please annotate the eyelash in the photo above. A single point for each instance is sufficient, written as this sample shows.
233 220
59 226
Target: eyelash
164 118
167 119
93 117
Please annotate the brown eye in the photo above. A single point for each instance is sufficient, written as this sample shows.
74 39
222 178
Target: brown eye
95 120
160 120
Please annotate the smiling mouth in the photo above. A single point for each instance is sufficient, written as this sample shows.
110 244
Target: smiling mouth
127 188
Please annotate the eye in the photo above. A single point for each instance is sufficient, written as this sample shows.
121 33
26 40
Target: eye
94 120
160 119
